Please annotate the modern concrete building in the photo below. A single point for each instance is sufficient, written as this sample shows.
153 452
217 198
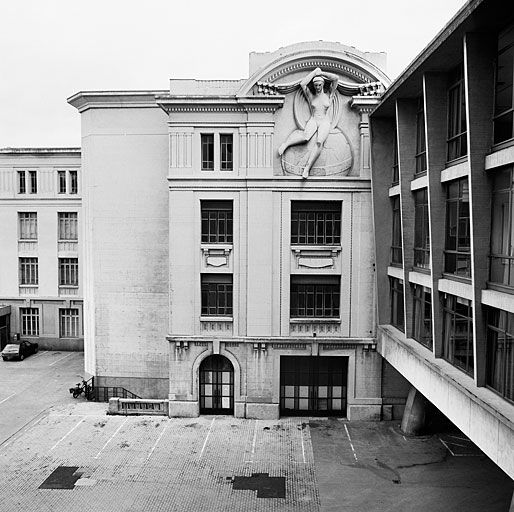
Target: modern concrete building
443 161
40 247
215 274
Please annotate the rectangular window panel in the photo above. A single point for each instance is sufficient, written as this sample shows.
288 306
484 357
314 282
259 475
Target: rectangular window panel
315 223
33 182
457 125
207 143
68 225
29 271
421 154
396 242
68 271
74 182
217 217
28 225
422 315
69 323
395 169
504 94
216 291
421 230
22 184
315 297
62 181
29 321
397 303
226 152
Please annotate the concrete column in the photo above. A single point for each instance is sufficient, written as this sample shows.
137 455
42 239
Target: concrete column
413 419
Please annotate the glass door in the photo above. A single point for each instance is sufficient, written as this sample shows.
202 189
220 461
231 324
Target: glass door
216 386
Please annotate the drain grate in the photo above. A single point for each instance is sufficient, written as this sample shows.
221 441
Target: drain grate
63 477
265 485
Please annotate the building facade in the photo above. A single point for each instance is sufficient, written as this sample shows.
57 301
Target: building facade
216 275
41 247
443 160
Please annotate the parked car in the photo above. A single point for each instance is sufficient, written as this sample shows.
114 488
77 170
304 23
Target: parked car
19 351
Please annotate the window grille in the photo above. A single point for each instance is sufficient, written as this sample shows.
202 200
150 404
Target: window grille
207 142
217 222
68 271
69 323
68 225
29 271
315 223
315 297
29 319
28 225
216 294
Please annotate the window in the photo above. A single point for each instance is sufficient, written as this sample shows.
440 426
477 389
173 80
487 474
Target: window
68 272
67 225
458 244
216 222
315 296
316 223
500 352
226 151
397 317
28 225
22 185
207 141
395 169
216 294
33 182
62 181
421 153
69 323
27 182
503 98
29 320
422 315
74 183
421 230
458 332
457 145
29 271
68 182
396 242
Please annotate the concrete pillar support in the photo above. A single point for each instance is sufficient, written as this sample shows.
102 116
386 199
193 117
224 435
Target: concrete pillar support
413 419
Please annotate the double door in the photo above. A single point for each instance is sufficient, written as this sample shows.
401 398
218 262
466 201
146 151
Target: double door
216 386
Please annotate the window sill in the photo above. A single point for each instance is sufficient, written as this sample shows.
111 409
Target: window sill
315 247
500 287
421 270
502 145
216 319
459 279
456 161
315 320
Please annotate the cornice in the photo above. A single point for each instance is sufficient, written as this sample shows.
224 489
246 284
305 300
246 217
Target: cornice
86 100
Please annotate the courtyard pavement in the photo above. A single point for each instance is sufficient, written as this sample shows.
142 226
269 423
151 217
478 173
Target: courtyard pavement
67 455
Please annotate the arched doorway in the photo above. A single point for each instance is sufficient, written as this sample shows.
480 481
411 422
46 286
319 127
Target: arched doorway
216 386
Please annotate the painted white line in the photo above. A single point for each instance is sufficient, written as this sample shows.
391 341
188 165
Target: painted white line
41 353
157 442
110 439
446 446
66 435
5 399
404 438
303 446
55 362
206 439
252 453
351 444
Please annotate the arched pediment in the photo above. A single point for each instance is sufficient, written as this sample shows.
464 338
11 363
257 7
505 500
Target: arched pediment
350 64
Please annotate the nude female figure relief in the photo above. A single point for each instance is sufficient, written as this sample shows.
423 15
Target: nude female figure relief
319 122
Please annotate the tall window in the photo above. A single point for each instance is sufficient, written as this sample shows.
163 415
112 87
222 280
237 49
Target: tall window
207 142
504 91
458 243
457 126
397 303
216 294
22 183
226 152
67 225
422 315
68 182
396 242
315 296
27 182
316 222
68 271
29 271
216 222
29 320
62 181
421 231
500 352
458 332
421 150
33 182
395 169
28 225
74 182
69 323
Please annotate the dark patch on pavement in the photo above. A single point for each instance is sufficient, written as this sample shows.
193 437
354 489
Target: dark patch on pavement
193 425
265 485
63 477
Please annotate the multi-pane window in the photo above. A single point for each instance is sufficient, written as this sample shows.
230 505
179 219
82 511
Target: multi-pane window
28 225
458 243
395 168
29 271
396 241
29 320
397 315
315 222
500 352
315 296
216 294
68 182
504 91
207 143
22 183
69 323
421 231
62 181
422 315
27 182
67 225
457 127
33 182
68 271
74 182
421 150
458 332
216 222
226 152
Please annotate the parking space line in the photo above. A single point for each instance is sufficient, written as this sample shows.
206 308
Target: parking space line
41 353
110 439
157 442
252 453
55 362
66 435
206 438
351 444
5 399
303 446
